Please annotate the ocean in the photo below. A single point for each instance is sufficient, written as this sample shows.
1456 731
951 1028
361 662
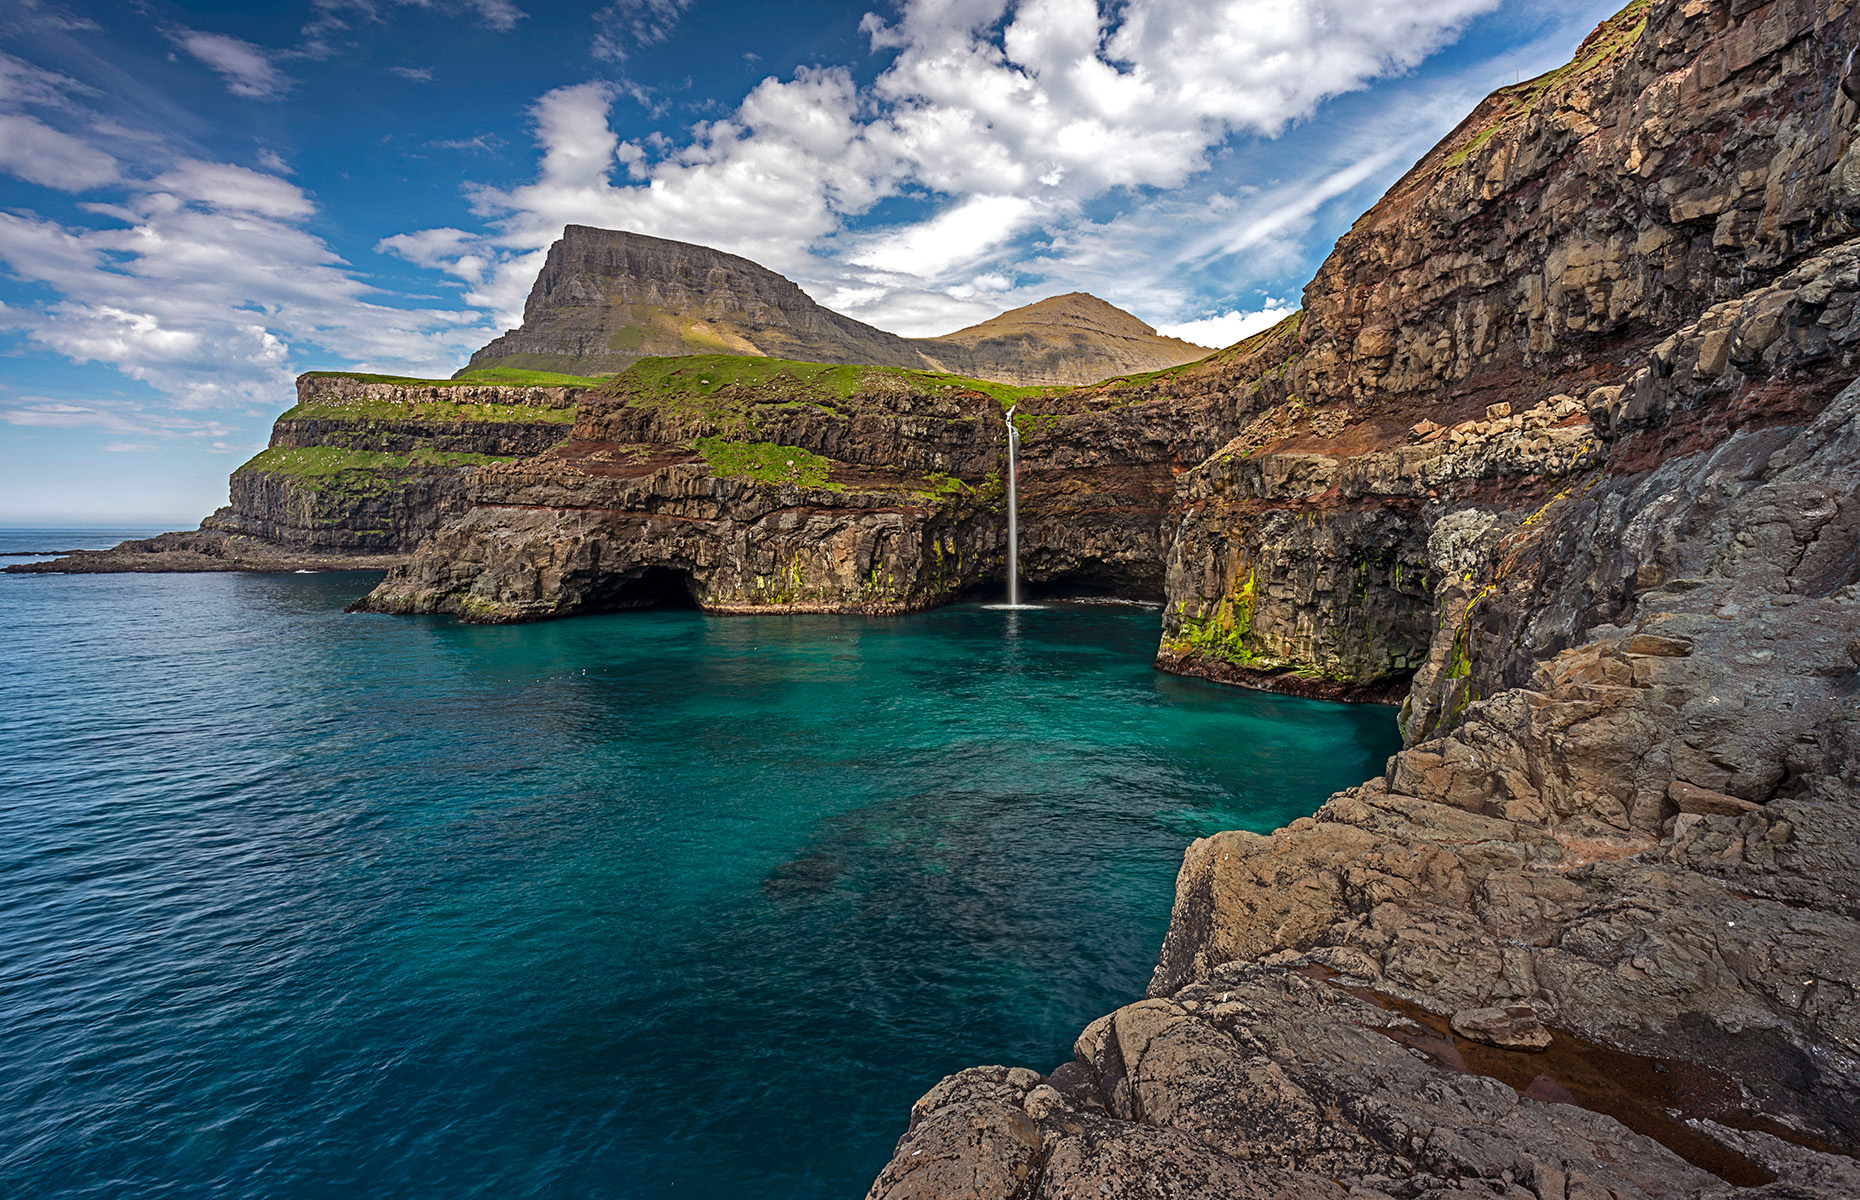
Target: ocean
299 904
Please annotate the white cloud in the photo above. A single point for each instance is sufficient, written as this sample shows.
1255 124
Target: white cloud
1228 327
417 74
333 16
22 82
227 188
248 70
952 238
450 250
1006 116
37 153
208 288
111 416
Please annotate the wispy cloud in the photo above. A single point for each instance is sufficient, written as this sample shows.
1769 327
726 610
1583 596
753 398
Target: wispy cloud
417 74
249 70
629 25
37 153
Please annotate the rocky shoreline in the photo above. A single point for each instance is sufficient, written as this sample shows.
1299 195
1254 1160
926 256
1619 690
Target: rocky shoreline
1568 431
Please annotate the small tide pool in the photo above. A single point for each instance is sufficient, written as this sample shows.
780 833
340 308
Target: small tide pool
301 904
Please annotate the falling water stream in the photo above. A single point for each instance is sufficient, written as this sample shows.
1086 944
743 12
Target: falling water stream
1013 446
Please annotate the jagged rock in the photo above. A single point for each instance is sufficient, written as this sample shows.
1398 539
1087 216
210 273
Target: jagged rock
1612 604
1702 802
1261 1084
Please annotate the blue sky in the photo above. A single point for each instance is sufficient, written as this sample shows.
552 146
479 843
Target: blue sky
199 201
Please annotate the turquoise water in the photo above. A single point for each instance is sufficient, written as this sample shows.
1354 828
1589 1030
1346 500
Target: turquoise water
299 904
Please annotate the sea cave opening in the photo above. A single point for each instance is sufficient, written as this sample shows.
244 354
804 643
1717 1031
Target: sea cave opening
655 587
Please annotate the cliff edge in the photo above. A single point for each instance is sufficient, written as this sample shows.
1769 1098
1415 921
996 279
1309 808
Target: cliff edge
1566 445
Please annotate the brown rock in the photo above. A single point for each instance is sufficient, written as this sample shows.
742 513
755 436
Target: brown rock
1514 1027
1662 647
1498 412
1694 799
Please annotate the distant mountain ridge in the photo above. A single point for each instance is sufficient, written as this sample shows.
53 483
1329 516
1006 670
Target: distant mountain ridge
607 298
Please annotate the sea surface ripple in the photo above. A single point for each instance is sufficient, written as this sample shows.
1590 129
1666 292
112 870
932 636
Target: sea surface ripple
300 904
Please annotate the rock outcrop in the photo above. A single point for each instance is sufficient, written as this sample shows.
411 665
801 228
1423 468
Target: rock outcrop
357 472
1569 430
746 485
606 299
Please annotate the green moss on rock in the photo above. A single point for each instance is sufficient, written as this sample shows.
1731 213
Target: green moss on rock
355 473
767 463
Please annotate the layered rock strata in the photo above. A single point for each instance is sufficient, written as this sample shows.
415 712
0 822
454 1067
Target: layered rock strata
1569 429
356 473
749 487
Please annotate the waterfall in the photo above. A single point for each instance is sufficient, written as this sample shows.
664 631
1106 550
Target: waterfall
1013 445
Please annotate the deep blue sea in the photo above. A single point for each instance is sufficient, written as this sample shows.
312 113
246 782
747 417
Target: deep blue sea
300 904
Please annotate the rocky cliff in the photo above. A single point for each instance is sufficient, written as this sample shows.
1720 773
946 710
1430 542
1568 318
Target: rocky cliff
1568 429
606 299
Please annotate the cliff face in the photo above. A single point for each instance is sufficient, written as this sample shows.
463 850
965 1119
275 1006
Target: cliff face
903 510
744 484
1569 429
1540 253
606 299
375 466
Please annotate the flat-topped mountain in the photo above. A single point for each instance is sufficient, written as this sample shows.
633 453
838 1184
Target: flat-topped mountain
607 298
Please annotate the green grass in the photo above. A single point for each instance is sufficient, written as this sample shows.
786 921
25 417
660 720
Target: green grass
364 409
694 381
494 376
358 473
767 463
514 377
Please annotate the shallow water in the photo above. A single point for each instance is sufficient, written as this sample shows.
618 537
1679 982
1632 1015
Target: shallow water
299 904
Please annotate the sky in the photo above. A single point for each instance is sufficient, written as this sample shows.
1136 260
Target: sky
199 201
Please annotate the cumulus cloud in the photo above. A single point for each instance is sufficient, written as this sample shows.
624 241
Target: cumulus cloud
1228 327
453 251
206 286
249 70
1004 118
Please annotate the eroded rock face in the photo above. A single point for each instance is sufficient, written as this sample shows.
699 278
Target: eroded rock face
1261 1083
1608 263
1570 430
898 515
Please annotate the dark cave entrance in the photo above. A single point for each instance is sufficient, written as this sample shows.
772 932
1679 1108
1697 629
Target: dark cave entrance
1091 581
655 587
